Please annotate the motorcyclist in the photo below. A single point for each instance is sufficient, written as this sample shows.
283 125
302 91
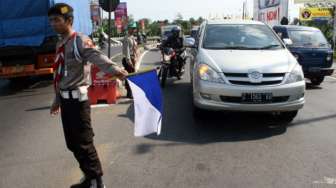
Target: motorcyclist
175 41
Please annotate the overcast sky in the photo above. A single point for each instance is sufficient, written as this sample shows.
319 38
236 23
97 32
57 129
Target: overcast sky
168 9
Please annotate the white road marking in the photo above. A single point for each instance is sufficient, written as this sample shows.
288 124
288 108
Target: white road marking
140 60
115 55
326 180
34 85
331 77
102 105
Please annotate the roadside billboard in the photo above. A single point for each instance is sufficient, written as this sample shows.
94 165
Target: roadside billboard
314 1
95 13
270 11
120 17
309 14
142 25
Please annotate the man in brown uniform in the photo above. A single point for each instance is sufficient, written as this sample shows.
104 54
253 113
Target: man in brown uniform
129 52
75 53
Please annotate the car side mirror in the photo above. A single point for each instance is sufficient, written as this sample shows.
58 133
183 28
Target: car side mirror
288 42
189 42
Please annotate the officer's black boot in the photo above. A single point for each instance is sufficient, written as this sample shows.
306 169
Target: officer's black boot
85 183
90 183
100 183
128 90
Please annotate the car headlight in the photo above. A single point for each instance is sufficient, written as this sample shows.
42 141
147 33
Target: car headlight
329 57
206 73
296 75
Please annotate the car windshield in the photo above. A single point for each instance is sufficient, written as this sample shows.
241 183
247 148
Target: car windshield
242 37
308 39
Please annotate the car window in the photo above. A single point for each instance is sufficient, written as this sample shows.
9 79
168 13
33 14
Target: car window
245 36
308 39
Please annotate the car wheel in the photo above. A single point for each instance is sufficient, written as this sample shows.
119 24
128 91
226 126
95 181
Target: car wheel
197 112
317 80
18 80
164 75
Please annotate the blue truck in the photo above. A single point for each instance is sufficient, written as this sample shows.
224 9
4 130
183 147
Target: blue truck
311 49
27 42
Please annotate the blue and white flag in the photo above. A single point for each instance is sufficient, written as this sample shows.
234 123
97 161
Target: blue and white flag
147 98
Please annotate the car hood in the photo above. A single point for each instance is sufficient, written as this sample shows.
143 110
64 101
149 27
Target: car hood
243 61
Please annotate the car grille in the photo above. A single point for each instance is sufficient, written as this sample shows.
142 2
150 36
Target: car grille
228 99
311 60
244 80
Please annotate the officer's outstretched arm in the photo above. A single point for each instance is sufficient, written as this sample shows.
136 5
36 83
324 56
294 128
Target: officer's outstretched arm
94 56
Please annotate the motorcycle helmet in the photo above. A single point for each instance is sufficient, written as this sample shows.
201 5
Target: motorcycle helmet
176 31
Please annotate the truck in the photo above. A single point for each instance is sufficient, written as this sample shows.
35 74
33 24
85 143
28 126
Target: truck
27 41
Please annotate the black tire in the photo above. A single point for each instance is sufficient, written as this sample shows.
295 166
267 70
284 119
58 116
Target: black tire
286 117
18 80
164 75
197 112
317 80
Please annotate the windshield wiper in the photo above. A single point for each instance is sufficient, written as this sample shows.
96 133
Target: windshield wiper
269 46
307 44
323 44
238 48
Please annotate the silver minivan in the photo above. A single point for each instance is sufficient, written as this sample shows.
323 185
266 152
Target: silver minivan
245 66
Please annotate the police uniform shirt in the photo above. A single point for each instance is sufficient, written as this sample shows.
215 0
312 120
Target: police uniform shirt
77 62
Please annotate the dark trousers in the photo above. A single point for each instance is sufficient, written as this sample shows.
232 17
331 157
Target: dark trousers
130 69
76 119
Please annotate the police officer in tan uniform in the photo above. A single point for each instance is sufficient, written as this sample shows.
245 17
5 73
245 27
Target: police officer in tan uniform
129 51
74 56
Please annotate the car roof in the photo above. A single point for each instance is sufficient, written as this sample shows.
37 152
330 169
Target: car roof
233 21
296 27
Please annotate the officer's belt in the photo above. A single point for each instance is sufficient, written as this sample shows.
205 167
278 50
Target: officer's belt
74 94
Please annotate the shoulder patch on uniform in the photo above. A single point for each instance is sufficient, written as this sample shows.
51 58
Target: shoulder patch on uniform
88 43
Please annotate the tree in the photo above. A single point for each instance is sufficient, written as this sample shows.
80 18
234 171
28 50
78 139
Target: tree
193 21
200 20
130 18
113 28
179 19
154 29
179 16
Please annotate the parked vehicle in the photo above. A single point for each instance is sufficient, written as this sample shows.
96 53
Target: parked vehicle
27 42
311 49
244 66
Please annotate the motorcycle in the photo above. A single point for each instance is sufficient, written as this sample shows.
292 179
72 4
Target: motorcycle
172 64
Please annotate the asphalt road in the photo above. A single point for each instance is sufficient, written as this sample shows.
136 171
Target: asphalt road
114 49
226 150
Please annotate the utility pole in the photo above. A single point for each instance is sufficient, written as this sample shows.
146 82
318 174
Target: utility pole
243 10
334 29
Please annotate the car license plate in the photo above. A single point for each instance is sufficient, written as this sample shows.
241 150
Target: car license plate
257 98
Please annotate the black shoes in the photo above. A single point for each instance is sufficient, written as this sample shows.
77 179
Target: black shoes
90 183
